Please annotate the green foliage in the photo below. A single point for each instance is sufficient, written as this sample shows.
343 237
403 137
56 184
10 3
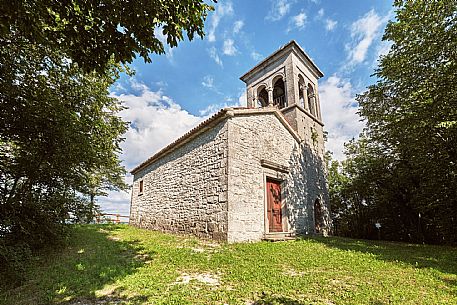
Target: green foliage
117 264
14 260
58 129
92 33
404 167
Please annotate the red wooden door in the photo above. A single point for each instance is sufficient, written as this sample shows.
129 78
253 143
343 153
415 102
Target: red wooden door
274 210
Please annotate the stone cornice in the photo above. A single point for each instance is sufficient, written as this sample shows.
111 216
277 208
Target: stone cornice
274 166
211 122
315 119
291 46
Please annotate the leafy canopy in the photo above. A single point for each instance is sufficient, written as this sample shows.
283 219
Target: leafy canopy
404 167
94 32
59 129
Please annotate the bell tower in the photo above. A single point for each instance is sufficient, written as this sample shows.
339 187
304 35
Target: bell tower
287 80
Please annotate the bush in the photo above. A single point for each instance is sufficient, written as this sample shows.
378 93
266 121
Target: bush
14 260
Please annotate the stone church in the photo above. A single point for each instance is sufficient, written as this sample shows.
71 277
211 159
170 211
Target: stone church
245 174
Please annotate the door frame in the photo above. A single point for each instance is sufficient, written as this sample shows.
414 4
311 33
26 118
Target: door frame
280 177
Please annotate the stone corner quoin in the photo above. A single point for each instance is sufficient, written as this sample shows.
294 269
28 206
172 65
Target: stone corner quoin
245 174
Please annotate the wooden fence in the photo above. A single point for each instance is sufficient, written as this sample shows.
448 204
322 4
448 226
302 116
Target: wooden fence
115 218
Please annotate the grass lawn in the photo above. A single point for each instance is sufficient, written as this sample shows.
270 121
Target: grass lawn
118 264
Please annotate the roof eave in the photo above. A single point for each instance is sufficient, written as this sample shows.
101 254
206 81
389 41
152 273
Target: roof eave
202 127
282 49
207 124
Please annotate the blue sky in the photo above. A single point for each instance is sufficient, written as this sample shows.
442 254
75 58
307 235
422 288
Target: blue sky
178 90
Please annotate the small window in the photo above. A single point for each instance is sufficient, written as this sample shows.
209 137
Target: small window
141 187
311 100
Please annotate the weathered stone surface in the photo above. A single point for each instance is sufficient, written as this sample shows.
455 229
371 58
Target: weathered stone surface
257 137
186 191
214 184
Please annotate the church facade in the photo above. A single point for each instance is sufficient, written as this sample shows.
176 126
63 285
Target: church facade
245 174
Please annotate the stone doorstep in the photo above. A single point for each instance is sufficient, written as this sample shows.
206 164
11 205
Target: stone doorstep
279 236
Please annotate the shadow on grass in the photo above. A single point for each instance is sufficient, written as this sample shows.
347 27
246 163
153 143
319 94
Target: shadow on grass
276 300
114 298
441 258
83 272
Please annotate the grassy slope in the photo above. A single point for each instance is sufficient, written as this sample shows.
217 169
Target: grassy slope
110 264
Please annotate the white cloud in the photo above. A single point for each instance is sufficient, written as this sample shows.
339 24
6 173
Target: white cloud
213 108
229 102
330 24
213 54
339 113
155 121
116 202
150 114
242 100
256 56
208 81
299 20
229 47
363 32
117 87
222 9
163 38
279 9
237 26
382 49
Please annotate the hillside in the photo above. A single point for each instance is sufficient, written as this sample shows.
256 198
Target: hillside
118 264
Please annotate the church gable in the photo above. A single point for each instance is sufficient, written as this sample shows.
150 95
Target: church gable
245 174
260 147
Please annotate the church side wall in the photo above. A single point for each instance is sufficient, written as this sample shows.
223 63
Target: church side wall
186 190
251 139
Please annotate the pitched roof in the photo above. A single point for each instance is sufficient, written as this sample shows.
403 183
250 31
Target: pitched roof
282 49
210 122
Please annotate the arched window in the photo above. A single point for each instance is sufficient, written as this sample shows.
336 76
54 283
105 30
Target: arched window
279 93
262 97
311 99
318 218
301 93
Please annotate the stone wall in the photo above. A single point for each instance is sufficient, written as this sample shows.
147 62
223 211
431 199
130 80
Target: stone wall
186 190
253 138
213 186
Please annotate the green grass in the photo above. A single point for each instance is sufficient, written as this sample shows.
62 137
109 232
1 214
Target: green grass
118 264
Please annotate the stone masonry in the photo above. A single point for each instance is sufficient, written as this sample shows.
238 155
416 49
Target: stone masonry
255 137
212 181
186 190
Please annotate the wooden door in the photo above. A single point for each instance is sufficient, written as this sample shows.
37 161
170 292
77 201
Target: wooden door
317 216
274 210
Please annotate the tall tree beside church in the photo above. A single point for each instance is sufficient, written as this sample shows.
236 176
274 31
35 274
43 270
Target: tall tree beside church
59 129
411 115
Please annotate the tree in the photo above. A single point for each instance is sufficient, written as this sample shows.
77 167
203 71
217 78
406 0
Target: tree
411 115
59 128
92 33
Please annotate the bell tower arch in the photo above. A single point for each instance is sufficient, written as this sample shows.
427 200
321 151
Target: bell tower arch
288 80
